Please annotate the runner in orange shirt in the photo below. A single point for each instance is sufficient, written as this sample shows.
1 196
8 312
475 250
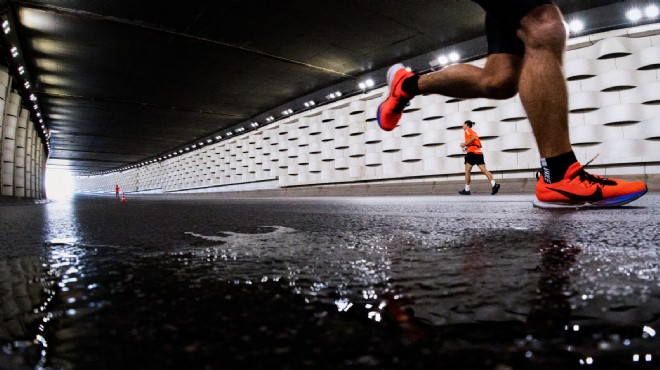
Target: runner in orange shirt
474 157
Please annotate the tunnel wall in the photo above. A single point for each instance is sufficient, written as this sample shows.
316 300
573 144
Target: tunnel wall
614 89
22 161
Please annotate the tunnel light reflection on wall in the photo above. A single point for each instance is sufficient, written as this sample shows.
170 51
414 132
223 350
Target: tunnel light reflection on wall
445 59
575 26
452 57
636 14
366 84
652 11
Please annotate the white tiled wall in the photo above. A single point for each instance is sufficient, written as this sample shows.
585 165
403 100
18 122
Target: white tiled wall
614 85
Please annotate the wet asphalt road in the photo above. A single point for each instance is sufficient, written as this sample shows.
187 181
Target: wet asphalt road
408 282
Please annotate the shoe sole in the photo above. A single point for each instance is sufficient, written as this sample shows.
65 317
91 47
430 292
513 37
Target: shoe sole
378 117
610 202
392 71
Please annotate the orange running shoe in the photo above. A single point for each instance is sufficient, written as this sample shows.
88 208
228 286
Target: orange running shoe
390 110
579 188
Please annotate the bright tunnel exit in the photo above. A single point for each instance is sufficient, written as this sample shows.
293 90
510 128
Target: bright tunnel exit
59 184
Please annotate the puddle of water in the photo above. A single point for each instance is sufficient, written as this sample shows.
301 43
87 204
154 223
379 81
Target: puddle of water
329 300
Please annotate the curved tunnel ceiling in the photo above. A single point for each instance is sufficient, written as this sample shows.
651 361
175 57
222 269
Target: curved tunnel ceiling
123 81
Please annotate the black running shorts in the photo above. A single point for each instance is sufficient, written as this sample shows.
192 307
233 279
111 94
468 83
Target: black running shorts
502 22
474 159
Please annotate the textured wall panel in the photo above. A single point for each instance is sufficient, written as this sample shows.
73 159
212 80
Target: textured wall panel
614 85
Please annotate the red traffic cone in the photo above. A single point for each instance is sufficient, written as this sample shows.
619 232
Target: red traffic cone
123 197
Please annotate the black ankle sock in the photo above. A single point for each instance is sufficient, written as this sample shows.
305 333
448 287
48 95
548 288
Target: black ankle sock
554 168
409 85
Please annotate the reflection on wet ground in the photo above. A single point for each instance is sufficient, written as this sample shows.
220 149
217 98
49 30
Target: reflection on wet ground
329 283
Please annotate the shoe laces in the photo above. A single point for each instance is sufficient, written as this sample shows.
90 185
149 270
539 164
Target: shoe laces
594 179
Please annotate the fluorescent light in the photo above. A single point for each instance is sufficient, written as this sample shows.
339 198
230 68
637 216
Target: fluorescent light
576 26
634 14
651 11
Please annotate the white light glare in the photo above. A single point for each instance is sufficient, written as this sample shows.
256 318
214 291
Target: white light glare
634 14
14 51
366 84
649 331
576 26
587 361
651 11
454 57
21 70
443 60
5 26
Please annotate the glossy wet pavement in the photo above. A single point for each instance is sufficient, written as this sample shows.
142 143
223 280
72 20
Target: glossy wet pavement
409 282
